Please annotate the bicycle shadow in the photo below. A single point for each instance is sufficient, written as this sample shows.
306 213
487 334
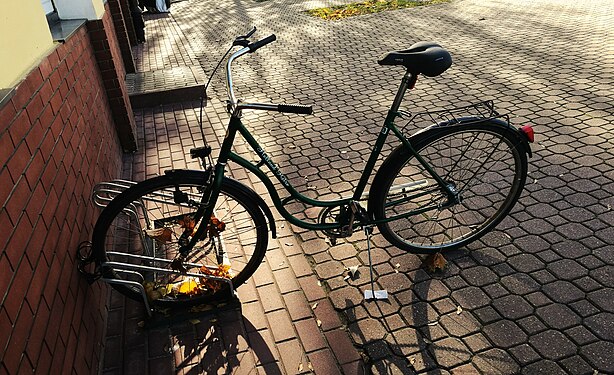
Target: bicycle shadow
423 344
222 343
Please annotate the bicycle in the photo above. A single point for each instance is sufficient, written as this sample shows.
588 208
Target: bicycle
184 237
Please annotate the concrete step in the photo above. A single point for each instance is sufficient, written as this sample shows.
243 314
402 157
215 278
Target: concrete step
153 88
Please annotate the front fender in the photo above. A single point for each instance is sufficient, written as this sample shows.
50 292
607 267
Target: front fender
257 199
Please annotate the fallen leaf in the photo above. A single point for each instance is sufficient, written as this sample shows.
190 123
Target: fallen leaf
310 366
141 324
398 265
187 223
459 310
412 360
319 323
194 321
435 262
300 367
313 307
162 235
212 320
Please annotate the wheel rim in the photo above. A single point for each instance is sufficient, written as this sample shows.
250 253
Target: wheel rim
481 165
151 226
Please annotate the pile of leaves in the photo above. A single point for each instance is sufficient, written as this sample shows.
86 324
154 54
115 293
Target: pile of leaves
338 12
189 286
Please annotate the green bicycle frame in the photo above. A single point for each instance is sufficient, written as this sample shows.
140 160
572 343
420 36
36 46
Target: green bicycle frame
236 126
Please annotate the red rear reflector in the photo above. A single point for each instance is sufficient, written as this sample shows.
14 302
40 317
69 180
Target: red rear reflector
528 131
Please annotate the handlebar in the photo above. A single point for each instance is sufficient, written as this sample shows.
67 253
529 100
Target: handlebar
233 104
261 43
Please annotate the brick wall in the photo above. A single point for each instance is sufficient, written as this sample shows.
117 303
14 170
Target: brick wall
109 57
120 21
57 139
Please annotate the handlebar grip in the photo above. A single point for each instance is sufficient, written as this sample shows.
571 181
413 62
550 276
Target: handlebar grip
254 46
295 108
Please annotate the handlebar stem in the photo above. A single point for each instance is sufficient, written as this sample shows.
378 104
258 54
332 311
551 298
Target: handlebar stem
231 94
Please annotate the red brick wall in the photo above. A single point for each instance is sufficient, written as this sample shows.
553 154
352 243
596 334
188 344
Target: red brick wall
108 54
57 139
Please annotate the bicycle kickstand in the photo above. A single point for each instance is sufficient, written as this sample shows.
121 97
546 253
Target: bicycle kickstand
372 294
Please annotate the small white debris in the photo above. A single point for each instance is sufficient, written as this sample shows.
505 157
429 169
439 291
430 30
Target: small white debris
353 270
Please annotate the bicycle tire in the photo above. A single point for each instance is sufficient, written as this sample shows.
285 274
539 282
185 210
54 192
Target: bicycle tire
485 161
244 238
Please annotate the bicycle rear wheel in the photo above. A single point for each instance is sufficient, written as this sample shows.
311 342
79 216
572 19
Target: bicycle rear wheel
484 162
141 227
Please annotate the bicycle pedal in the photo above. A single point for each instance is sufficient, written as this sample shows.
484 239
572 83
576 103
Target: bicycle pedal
200 152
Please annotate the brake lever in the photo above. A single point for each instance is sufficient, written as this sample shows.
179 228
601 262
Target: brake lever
242 39
252 31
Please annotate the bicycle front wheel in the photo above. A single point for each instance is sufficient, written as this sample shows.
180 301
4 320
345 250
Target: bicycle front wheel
137 236
485 163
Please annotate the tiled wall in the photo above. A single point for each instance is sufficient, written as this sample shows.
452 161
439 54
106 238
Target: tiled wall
57 139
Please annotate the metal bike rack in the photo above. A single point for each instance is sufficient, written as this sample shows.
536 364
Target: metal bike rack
103 194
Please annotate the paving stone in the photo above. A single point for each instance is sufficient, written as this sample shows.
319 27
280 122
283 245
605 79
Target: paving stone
604 275
543 366
558 316
576 365
524 354
598 355
470 297
567 269
342 346
431 290
487 314
526 262
603 298
323 362
520 283
552 345
495 361
450 352
366 330
479 276
562 291
531 325
601 325
504 333
418 314
459 325
394 282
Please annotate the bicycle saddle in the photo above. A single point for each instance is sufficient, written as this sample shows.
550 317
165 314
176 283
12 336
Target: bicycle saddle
427 58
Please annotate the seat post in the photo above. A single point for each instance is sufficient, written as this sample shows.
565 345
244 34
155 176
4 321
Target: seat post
408 82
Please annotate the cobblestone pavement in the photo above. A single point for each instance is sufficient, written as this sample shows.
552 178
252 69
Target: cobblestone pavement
536 294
